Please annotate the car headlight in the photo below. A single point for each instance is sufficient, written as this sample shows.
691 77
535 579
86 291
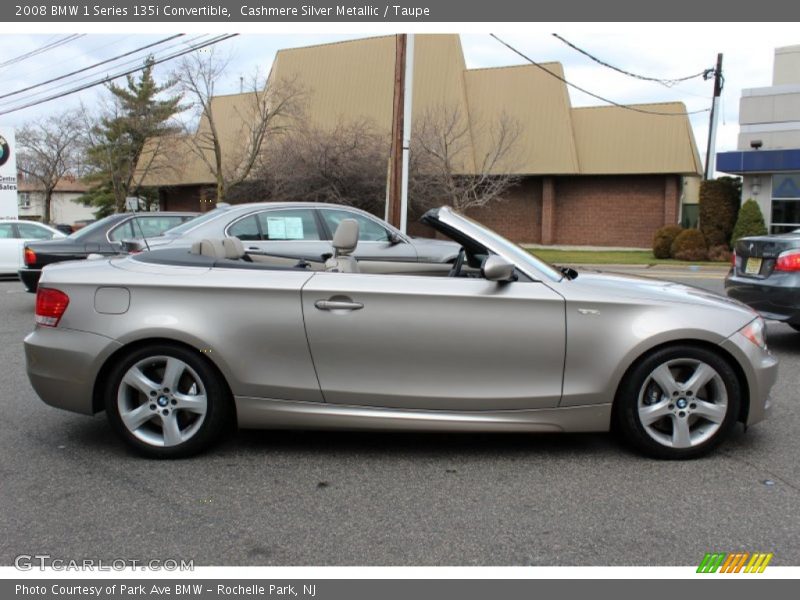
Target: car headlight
756 332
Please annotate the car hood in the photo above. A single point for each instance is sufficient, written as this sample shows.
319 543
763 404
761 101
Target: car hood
637 288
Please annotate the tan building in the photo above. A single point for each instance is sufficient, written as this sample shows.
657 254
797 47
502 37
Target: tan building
64 205
604 176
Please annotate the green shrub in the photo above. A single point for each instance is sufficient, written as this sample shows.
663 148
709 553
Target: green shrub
750 222
719 205
719 253
663 238
689 245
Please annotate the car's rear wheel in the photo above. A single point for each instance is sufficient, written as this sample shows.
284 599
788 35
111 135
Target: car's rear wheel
679 402
166 401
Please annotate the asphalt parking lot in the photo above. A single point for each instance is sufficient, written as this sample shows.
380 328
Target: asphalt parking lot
71 490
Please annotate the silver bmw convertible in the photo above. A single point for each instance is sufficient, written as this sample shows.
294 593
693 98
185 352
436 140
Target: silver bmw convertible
176 344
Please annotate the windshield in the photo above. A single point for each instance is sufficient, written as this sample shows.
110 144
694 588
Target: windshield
511 250
192 223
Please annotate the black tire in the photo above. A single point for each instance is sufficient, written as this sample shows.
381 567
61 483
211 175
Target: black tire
174 428
702 418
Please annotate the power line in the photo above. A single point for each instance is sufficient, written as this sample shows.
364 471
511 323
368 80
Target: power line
662 81
89 68
70 83
109 78
73 82
592 94
42 49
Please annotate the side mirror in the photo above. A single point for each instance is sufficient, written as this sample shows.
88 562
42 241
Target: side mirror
394 239
496 268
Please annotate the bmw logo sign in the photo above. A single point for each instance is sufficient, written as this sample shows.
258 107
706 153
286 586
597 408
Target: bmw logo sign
5 151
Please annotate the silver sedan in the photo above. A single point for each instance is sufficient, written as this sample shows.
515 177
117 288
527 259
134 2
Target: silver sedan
303 230
174 344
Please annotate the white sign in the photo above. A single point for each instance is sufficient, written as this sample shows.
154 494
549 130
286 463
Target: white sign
285 228
8 174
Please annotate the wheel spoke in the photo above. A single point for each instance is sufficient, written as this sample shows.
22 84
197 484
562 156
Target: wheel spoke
663 377
172 433
650 414
138 380
681 436
708 410
135 418
172 373
701 376
196 404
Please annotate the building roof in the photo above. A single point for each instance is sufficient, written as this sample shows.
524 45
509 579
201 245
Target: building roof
65 185
353 80
614 140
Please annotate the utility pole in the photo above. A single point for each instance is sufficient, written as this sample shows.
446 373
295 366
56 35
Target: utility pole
711 150
398 110
408 94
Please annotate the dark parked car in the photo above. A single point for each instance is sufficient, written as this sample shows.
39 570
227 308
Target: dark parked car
766 276
102 237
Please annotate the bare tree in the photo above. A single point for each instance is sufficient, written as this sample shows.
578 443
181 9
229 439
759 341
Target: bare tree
265 109
343 165
467 163
51 149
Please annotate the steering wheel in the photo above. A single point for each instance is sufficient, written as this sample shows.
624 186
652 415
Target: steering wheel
458 263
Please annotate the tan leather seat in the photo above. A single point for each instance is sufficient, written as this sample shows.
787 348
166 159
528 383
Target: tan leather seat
344 243
212 248
234 248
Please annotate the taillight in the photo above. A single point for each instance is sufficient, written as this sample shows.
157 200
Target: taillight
50 306
788 261
733 259
29 256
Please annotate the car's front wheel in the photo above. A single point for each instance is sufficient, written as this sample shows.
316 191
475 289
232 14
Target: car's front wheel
166 401
678 402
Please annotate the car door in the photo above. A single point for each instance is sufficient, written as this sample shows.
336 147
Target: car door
10 249
435 342
374 237
285 231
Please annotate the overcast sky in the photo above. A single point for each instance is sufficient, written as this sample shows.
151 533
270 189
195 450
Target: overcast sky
655 50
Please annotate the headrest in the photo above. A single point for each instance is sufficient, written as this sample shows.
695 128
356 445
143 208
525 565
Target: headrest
234 248
345 239
212 248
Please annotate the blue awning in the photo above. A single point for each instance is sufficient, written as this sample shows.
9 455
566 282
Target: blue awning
758 161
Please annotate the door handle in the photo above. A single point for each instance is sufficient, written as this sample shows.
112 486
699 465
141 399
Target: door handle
338 305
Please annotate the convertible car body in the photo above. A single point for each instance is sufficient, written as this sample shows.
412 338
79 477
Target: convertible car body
174 343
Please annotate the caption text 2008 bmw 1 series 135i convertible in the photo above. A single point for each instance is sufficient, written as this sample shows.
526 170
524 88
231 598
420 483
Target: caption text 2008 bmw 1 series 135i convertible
174 344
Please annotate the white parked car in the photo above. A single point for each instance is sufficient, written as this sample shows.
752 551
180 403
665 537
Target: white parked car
13 235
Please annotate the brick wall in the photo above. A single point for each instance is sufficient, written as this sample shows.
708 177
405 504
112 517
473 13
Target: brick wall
519 216
613 210
187 197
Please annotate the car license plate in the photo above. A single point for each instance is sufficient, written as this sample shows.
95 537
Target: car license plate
753 266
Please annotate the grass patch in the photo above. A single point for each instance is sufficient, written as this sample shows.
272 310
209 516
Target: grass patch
609 257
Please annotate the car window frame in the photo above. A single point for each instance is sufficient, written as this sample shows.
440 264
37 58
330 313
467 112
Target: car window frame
37 226
370 217
321 233
14 230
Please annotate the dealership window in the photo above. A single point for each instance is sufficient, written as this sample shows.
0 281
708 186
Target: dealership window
785 202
